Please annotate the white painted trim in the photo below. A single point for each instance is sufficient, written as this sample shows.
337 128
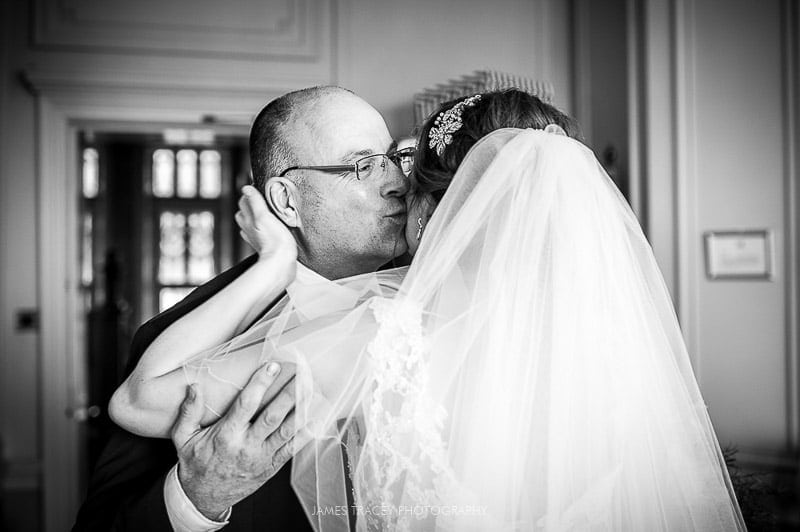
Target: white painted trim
543 35
636 117
56 288
688 243
657 133
791 56
582 61
5 27
298 36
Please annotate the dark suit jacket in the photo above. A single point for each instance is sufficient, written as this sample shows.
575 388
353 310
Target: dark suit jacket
126 489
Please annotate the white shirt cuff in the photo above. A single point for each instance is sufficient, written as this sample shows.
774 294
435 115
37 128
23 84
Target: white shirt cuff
183 516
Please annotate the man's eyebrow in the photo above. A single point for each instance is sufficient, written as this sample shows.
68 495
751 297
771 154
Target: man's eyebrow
353 155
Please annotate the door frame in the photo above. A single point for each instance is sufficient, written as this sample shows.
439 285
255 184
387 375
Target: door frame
61 110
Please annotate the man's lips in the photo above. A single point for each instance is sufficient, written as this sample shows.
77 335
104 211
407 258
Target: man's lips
398 216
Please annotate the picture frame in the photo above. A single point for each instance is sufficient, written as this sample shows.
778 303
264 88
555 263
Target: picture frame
739 254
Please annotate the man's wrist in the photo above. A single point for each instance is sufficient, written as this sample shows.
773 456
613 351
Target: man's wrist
211 510
183 515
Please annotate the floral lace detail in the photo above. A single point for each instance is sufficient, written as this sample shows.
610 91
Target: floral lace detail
403 463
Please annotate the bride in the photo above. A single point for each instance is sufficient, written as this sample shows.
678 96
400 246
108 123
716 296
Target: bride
526 372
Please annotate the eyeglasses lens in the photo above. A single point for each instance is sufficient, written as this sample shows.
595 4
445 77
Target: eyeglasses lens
368 167
375 165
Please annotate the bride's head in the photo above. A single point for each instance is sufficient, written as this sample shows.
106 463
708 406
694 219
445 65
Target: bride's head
443 143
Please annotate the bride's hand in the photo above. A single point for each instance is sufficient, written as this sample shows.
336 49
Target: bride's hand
260 228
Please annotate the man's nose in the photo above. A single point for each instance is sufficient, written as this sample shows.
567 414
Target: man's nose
395 183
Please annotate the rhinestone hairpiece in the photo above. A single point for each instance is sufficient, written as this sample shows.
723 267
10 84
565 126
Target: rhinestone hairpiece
447 123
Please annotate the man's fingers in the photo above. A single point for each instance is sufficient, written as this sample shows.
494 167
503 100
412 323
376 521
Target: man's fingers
289 449
249 399
285 432
274 413
189 416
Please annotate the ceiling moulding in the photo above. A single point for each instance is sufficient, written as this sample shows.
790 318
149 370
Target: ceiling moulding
147 104
53 77
295 30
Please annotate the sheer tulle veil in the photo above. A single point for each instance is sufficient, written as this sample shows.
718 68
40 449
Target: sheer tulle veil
527 372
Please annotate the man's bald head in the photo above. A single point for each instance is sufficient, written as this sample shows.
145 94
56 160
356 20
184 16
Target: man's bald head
343 225
274 135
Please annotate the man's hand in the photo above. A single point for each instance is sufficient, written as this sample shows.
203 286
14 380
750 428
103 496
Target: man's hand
223 463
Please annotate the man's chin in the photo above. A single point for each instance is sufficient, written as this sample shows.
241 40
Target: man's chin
398 255
403 259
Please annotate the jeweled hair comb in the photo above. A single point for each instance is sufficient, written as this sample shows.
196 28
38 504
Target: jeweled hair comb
447 123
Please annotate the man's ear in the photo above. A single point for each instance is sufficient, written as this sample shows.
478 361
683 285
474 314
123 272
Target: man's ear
282 198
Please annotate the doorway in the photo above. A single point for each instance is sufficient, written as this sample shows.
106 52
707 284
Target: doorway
155 220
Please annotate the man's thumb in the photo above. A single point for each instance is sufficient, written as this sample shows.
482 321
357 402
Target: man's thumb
189 416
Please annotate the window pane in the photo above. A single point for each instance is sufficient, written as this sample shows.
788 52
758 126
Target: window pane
163 173
210 174
187 173
201 247
90 173
172 263
86 250
167 297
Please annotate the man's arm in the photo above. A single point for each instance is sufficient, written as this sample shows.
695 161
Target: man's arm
126 489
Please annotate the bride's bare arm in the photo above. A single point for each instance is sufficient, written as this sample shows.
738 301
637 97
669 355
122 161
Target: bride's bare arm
148 399
150 409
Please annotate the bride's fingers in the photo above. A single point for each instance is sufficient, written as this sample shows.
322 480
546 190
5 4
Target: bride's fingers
244 206
256 203
244 237
244 227
250 190
239 217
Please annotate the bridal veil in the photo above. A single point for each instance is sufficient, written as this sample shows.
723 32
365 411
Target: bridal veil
527 372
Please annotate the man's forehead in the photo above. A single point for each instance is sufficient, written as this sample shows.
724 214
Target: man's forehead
359 150
343 127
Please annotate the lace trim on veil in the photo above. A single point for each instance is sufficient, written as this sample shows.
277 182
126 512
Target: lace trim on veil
404 468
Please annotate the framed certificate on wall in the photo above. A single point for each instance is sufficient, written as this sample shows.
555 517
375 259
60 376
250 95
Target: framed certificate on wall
739 254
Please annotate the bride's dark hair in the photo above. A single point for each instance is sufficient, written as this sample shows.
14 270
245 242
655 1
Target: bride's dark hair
494 110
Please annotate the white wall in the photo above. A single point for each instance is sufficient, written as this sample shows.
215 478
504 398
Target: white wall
601 76
18 282
398 48
740 175
721 136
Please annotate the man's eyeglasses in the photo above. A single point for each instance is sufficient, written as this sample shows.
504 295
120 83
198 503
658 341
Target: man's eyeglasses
367 167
